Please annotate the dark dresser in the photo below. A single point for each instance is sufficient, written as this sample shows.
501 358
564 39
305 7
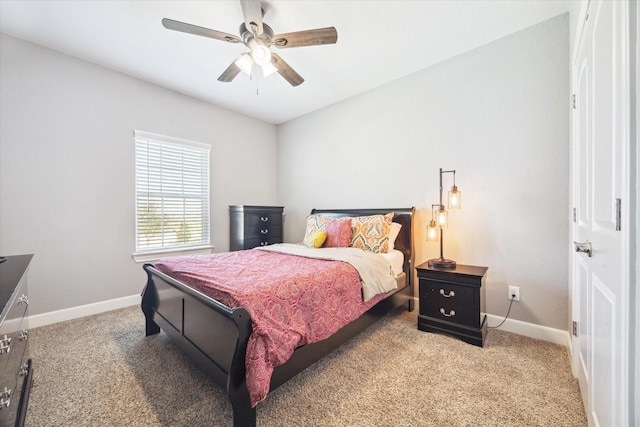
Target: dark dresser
452 302
252 226
15 365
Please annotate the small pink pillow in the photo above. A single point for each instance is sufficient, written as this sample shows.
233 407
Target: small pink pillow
338 232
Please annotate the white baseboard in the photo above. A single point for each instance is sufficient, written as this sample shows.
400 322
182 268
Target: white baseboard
82 311
544 333
556 336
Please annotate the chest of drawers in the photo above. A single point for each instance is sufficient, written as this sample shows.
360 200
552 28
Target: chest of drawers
15 365
452 302
252 226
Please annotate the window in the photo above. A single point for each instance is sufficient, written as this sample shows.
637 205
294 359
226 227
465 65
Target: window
172 194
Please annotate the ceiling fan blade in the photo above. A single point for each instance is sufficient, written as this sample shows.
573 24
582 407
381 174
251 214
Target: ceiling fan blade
170 24
319 36
285 70
252 12
230 73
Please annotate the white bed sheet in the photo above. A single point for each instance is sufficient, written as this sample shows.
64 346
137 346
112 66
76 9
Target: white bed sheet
396 259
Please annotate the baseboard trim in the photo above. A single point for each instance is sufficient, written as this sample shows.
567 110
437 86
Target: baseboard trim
531 330
82 311
544 333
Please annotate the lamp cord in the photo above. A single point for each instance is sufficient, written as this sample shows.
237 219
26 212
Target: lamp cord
505 317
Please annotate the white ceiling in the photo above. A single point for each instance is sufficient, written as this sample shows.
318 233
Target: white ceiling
378 42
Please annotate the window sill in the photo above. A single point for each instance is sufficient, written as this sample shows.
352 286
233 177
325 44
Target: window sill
154 256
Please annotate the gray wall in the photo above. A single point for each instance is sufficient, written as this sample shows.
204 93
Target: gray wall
499 115
67 169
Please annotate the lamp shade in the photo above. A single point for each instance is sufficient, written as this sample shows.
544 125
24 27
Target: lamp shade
245 63
261 55
442 217
455 198
432 231
268 69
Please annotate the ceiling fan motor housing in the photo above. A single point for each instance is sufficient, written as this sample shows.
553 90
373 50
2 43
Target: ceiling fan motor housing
247 36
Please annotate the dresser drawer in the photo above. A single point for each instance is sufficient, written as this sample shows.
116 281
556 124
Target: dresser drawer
11 332
260 221
266 236
12 362
447 301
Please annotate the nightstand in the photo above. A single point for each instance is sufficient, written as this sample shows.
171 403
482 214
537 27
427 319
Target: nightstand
452 302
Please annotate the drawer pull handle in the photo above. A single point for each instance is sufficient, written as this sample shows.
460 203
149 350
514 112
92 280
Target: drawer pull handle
5 345
23 335
264 243
264 231
24 369
264 218
23 300
449 295
5 398
451 313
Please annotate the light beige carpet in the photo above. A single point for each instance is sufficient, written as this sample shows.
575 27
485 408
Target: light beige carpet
102 371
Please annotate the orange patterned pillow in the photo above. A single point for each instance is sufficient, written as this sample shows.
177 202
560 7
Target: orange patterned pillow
371 233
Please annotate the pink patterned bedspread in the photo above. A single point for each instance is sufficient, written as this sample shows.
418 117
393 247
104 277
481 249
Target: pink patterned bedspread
292 301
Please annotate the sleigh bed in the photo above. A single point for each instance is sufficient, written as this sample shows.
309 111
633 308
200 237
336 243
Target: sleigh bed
216 336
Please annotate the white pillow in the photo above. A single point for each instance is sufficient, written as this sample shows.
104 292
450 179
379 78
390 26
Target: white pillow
393 234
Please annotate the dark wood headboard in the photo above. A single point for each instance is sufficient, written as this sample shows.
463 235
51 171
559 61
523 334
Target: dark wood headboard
404 242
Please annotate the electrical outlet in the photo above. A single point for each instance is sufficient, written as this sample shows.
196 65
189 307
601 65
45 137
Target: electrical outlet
514 293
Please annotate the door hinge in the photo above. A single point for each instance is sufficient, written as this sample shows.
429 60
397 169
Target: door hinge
618 214
574 324
574 215
574 101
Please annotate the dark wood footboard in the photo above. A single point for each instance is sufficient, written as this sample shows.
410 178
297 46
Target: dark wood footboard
215 336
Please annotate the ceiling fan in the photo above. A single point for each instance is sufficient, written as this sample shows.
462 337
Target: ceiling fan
259 37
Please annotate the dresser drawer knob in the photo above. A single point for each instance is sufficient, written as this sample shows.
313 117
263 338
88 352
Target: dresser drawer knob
451 313
449 295
264 231
264 218
23 300
264 243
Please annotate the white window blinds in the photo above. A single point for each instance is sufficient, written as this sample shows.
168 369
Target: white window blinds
172 193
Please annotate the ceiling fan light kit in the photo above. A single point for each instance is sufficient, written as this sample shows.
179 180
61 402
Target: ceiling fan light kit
259 37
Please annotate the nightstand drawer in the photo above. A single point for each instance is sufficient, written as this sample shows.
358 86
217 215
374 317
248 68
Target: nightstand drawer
446 301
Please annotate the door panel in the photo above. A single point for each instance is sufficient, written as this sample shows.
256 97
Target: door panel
603 349
600 141
603 151
583 286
